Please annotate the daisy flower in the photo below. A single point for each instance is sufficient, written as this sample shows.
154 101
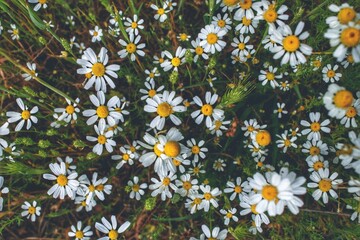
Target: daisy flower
289 46
110 228
196 169
270 76
257 217
31 211
247 25
193 202
349 119
219 165
241 46
70 20
95 67
80 201
330 74
152 74
207 110
114 20
165 106
79 233
198 50
228 215
170 4
345 14
68 161
103 139
227 5
286 141
163 186
215 234
4 190
69 112
315 149
316 63
223 22
183 37
160 12
133 25
14 32
269 191
186 186
209 197
40 3
32 68
317 164
65 184
151 91
246 9
337 101
270 15
196 149
218 126
137 190
237 188
96 34
94 188
174 61
133 147
210 38
325 184
251 127
132 47
349 60
280 110
315 126
103 111
25 116
126 157
356 213
284 86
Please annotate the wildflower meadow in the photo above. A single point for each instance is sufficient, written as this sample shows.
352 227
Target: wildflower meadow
179 119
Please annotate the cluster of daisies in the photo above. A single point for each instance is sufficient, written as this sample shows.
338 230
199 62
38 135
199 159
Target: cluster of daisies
180 163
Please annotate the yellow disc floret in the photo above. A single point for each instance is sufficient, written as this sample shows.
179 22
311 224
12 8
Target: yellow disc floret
350 37
131 48
343 99
346 15
113 234
325 185
263 138
102 111
61 180
172 148
291 43
164 109
25 114
98 69
269 192
212 38
207 109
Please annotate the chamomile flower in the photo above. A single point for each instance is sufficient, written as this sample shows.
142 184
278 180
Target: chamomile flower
96 69
95 187
330 74
193 202
241 46
219 126
132 48
151 90
196 169
161 12
170 4
199 50
126 157
165 106
227 5
349 60
290 47
196 149
248 207
110 228
14 31
137 190
315 148
325 184
186 186
133 25
280 109
163 186
237 188
251 127
316 165
151 74
247 26
210 38
105 113
207 110
3 190
356 213
96 34
183 37
209 197
114 20
65 184
229 215
103 139
337 101
69 112
219 165
40 3
345 14
215 234
30 211
70 20
349 119
133 147
286 141
269 13
246 9
68 161
174 61
284 86
25 116
315 126
316 63
270 76
223 22
32 68
79 233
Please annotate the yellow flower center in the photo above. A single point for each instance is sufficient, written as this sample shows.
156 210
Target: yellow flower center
156 150
280 110
199 50
125 157
31 210
350 58
25 114
291 43
152 75
16 32
246 4
131 48
246 21
253 209
100 187
324 185
343 99
221 23
79 234
136 187
260 164
208 196
207 109
346 15
316 63
270 15
263 138
101 139
218 124
164 109
229 215
176 162
113 234
212 38
287 142
42 1
91 188
152 93
88 75
197 201
315 126
70 109
134 25
98 69
96 33
175 61
161 60
238 189
241 46
196 170
351 112
161 11
270 76
166 181
195 149
230 3
187 185
172 148
269 192
250 128
206 181
132 149
61 180
314 151
350 37
183 36
102 111
330 73
317 165
83 203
